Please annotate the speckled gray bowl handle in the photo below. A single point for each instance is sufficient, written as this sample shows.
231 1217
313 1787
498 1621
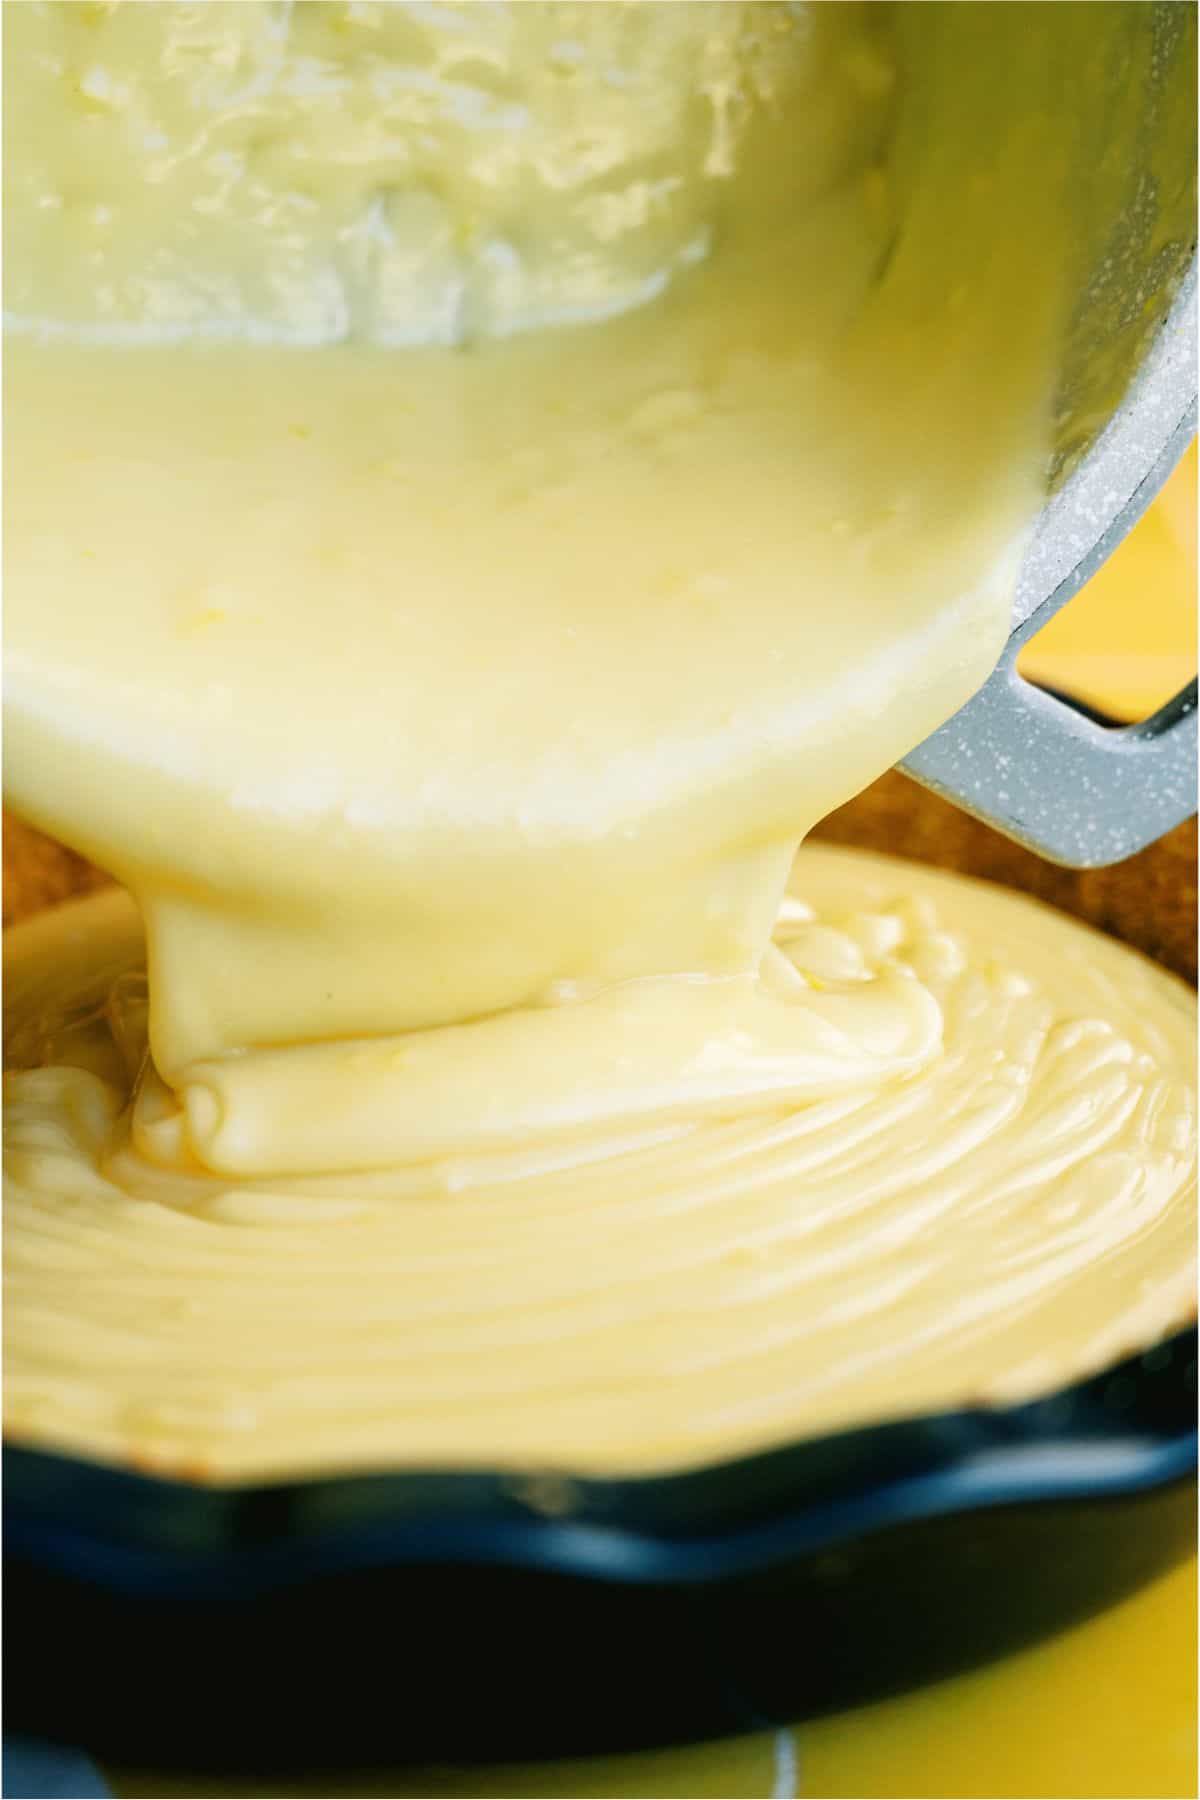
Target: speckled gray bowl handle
1039 770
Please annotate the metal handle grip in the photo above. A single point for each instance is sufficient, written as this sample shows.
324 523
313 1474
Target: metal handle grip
1036 768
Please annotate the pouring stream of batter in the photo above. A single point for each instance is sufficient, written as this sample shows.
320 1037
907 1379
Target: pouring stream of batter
482 483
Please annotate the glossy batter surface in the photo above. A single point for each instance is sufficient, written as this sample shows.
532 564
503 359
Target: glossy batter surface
677 1288
460 539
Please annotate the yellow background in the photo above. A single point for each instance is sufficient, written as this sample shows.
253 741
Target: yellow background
1127 643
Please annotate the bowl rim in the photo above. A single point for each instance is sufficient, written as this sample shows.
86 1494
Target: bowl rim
1129 1430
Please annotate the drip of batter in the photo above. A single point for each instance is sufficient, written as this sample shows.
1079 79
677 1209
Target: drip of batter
482 483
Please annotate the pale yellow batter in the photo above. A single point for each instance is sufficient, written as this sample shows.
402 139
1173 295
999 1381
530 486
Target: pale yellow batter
678 1288
482 482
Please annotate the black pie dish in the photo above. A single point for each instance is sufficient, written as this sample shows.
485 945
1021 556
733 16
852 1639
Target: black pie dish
397 1616
447 1614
